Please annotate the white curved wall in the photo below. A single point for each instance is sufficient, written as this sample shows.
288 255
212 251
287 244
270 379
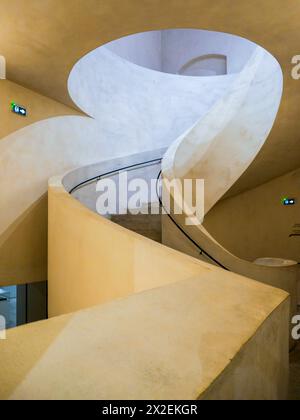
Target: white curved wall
146 108
221 146
144 49
169 50
133 110
182 45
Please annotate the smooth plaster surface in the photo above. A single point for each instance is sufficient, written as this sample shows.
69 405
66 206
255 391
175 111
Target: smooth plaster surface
143 49
224 142
255 224
91 245
170 50
167 343
181 46
23 204
87 344
285 278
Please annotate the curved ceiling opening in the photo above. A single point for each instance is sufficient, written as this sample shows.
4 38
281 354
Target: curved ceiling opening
138 84
187 52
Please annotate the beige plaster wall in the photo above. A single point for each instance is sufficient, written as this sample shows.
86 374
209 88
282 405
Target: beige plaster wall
39 107
255 224
197 334
23 247
92 260
259 372
23 234
285 278
221 337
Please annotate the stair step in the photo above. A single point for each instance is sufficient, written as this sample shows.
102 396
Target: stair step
147 225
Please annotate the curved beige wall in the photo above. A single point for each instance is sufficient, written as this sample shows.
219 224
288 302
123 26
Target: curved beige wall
285 278
193 306
92 260
23 215
255 224
195 339
38 107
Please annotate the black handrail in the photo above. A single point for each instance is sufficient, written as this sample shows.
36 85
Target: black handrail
98 177
158 160
202 252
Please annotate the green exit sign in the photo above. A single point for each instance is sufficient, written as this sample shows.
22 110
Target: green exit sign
17 109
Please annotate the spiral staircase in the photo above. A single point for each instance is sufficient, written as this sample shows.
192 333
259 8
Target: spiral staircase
213 128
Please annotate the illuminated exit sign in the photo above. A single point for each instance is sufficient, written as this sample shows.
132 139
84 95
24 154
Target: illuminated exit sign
17 109
288 201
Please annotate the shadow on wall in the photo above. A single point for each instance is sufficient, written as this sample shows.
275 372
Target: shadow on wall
23 256
256 224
